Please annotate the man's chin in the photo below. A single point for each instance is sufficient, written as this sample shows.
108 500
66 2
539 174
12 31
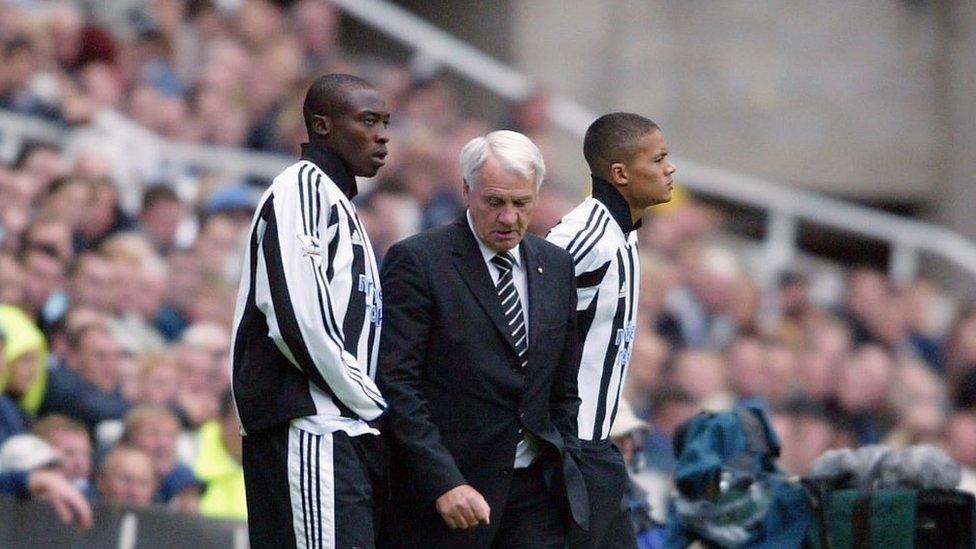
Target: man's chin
369 172
504 244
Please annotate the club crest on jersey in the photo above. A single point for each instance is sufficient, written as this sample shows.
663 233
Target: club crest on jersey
311 247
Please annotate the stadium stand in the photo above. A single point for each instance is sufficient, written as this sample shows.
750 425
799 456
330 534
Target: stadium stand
118 267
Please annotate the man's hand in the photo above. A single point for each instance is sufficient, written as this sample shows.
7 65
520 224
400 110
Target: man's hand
68 502
463 507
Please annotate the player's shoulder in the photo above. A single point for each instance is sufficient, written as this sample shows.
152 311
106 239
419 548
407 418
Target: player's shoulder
586 234
301 175
571 224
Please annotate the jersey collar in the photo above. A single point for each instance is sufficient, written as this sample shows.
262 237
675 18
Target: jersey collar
328 162
616 204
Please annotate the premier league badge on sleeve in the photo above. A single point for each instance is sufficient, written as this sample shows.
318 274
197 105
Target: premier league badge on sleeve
311 248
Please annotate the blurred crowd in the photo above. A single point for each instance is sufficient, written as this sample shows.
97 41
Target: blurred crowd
114 324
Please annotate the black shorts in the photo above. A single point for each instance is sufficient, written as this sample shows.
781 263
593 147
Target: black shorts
606 480
307 490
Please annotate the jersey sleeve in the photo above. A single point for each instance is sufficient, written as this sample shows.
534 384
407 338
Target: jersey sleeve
300 304
590 264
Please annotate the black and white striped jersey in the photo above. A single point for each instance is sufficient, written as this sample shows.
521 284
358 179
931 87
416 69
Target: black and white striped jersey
309 308
600 236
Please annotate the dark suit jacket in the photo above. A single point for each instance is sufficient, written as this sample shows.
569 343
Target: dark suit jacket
457 397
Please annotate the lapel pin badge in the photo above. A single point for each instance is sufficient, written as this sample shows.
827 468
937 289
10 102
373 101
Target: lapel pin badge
540 270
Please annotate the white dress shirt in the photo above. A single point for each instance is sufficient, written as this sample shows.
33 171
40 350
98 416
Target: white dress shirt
526 451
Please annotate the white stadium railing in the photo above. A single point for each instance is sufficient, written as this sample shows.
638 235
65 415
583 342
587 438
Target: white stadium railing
786 207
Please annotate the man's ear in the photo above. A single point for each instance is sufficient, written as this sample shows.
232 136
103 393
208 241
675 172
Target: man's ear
618 173
465 192
321 125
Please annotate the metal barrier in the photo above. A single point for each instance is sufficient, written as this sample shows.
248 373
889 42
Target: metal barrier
32 525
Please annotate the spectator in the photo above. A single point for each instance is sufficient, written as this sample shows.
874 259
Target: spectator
160 217
12 280
701 308
141 287
160 380
217 244
316 24
44 162
20 91
781 370
702 375
94 282
214 340
69 504
44 275
15 207
923 303
959 440
87 387
209 303
27 452
126 477
815 434
196 400
749 378
645 377
71 440
816 377
71 322
30 467
218 464
135 329
671 408
104 216
63 202
51 234
648 490
920 423
11 420
862 392
867 294
960 352
186 278
155 430
806 431
793 303
235 202
25 355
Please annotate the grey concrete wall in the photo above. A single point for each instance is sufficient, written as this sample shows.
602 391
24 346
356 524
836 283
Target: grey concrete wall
954 197
833 95
483 24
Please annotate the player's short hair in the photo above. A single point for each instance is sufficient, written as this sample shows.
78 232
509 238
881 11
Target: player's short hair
328 95
613 138
514 151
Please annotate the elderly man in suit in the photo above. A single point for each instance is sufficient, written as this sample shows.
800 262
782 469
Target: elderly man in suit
478 362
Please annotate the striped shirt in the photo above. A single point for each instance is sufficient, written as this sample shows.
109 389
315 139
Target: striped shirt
600 236
309 307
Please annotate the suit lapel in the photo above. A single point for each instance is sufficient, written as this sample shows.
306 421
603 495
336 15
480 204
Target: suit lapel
471 265
535 275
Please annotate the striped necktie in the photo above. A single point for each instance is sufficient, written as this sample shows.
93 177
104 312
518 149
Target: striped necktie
511 304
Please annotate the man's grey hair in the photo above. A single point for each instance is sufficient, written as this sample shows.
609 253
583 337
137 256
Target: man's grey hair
514 151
